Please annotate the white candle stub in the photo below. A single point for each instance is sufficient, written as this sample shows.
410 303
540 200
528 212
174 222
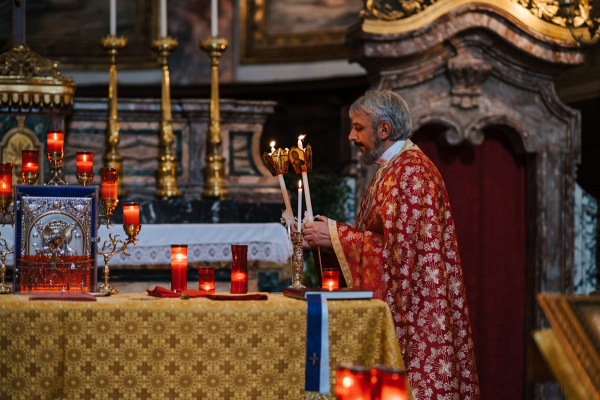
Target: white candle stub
300 206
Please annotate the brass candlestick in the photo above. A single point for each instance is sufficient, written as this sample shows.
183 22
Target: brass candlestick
112 159
111 243
4 287
214 171
84 178
29 178
108 206
55 159
5 202
167 163
298 261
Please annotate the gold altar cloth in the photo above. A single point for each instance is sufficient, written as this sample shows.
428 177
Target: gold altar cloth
140 347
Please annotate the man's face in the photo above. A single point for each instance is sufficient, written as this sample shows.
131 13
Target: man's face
364 136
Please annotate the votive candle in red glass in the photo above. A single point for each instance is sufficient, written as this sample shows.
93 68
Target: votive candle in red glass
55 141
206 280
388 384
178 267
85 162
331 278
30 161
110 183
239 269
131 213
6 179
353 383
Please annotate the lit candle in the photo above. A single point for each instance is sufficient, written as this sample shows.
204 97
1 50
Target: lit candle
55 141
299 206
272 148
214 18
353 383
109 183
6 179
309 209
163 18
85 162
239 269
206 280
300 139
388 384
330 279
113 17
178 267
29 161
131 213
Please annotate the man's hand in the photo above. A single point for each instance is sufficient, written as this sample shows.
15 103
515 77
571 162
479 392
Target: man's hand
316 233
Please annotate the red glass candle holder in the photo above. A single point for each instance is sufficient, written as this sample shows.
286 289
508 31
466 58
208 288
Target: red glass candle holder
330 279
110 183
239 269
206 280
30 161
131 213
55 141
85 162
388 384
6 179
178 267
353 383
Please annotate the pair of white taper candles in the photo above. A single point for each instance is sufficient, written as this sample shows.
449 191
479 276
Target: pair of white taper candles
214 17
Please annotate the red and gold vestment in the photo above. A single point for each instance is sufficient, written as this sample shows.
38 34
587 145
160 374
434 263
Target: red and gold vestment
403 247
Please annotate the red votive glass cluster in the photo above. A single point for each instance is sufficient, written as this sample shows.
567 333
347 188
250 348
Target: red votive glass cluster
110 183
179 267
30 161
206 280
239 269
330 279
377 383
55 141
85 162
131 213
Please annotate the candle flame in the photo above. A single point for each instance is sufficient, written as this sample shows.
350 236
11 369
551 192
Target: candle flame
55 136
85 157
300 184
347 381
180 257
3 185
272 144
330 283
301 137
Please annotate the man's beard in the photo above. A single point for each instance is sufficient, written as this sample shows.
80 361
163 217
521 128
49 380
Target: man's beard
370 156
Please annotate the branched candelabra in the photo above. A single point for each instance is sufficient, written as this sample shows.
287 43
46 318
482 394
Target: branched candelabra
4 251
112 244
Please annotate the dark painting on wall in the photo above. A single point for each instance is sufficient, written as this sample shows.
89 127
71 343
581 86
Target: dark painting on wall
69 31
296 30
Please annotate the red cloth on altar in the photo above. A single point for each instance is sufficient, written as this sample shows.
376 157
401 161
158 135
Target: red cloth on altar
403 247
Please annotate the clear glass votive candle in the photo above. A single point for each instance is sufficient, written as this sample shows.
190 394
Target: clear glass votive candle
330 279
206 277
179 267
239 269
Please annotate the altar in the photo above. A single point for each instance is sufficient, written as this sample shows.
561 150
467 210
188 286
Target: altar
136 346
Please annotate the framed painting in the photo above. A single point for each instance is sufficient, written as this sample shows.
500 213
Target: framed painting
276 31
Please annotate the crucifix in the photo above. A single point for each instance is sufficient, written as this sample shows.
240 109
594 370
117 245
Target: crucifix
18 22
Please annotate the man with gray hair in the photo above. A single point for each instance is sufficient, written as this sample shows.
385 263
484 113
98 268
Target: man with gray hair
403 247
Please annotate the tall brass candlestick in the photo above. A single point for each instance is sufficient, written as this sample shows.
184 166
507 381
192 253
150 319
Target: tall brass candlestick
214 171
167 163
112 159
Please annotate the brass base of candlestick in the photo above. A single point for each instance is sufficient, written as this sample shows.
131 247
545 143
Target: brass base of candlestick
84 178
132 231
55 159
5 202
298 261
106 287
4 287
29 178
214 178
167 178
108 206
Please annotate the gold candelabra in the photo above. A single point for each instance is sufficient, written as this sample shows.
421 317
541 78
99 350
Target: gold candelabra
55 159
4 287
108 206
112 159
298 261
112 243
214 171
167 162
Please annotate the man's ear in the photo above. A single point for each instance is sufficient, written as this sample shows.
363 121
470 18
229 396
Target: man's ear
385 130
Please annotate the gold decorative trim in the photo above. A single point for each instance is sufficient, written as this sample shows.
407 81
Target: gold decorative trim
534 17
559 364
339 252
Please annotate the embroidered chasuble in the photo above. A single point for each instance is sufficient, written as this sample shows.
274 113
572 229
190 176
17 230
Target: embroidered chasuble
403 247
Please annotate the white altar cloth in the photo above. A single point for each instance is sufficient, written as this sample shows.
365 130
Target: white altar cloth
206 242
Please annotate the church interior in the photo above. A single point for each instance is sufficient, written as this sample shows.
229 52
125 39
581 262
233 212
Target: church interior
184 107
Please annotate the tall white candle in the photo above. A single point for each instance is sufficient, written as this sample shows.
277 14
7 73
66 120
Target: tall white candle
299 206
214 18
309 209
286 197
163 18
113 17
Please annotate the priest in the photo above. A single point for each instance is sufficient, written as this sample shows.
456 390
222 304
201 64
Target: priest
403 247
